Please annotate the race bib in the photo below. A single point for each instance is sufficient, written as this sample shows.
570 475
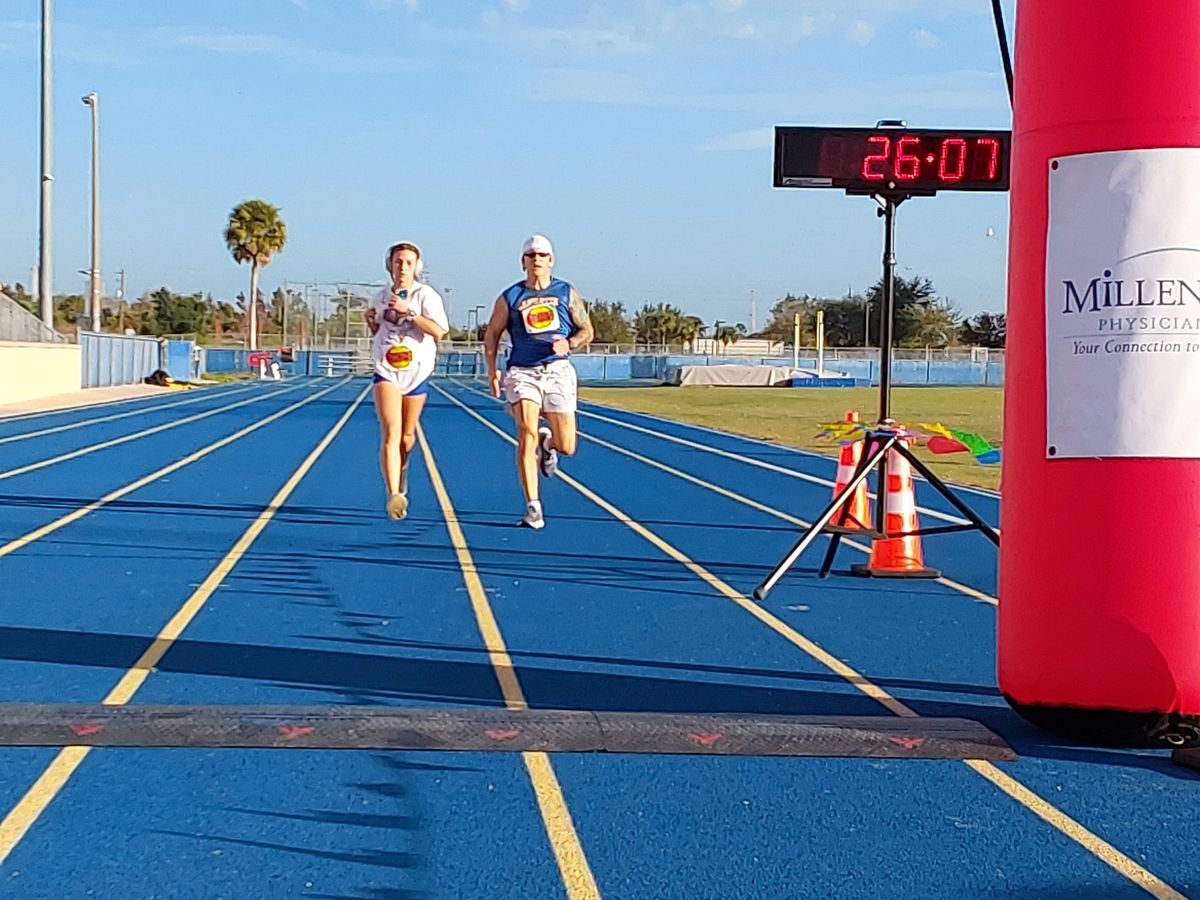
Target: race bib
541 319
399 356
402 364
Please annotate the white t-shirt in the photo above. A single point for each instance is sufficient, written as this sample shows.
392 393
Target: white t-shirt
403 353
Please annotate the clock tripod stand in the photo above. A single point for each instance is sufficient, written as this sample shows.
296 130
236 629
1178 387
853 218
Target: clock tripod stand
879 444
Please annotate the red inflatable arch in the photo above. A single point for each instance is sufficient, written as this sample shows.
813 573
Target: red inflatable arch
1099 619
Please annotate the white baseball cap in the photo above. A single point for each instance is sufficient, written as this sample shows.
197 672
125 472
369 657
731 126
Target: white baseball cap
538 243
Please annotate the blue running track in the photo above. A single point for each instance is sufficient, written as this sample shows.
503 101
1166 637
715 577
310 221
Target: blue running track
229 546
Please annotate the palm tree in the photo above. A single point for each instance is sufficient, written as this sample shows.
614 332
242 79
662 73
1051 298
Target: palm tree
254 234
689 330
728 334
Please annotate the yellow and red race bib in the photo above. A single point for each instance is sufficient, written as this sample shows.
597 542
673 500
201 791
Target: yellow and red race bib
541 318
399 356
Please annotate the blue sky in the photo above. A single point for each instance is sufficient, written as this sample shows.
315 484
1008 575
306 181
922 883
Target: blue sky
635 133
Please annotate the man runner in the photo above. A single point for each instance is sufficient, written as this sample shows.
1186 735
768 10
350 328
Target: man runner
546 321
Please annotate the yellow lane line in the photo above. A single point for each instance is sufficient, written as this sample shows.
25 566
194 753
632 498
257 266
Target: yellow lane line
751 461
1046 811
70 426
74 516
560 829
30 807
769 510
762 507
124 439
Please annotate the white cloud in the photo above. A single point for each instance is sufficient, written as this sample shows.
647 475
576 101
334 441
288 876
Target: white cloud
926 39
861 32
755 139
246 44
574 39
218 42
516 6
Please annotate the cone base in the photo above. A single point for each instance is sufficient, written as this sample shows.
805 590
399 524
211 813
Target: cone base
866 571
1114 727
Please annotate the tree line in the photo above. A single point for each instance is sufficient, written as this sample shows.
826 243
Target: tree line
920 319
256 232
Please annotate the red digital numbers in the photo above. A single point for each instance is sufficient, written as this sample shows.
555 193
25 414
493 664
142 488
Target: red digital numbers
993 147
908 167
885 150
905 161
959 148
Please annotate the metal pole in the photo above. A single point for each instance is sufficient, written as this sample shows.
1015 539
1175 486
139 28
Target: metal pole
820 343
795 340
93 101
478 320
1002 39
886 306
46 204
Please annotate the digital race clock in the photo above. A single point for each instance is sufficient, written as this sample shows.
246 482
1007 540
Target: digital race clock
892 160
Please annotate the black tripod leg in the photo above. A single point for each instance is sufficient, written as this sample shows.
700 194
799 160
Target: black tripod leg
827 564
814 529
950 495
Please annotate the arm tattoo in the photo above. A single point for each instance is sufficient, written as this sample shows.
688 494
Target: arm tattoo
582 335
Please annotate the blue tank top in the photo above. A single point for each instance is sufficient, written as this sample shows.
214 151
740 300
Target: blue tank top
535 319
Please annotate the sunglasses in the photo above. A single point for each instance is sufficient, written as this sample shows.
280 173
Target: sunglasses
531 254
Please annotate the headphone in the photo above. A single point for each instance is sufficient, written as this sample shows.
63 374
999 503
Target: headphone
404 245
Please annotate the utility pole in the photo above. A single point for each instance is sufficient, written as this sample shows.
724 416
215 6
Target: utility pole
46 204
92 100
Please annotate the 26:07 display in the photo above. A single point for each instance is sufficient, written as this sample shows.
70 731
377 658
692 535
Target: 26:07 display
912 161
948 160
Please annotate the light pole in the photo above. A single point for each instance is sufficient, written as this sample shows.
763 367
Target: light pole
93 101
866 323
717 335
46 197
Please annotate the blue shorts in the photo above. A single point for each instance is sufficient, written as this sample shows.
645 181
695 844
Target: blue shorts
419 391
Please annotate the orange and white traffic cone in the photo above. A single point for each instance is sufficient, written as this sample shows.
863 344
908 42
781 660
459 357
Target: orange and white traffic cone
898 557
855 514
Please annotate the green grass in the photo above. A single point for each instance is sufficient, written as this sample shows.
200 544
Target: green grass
793 416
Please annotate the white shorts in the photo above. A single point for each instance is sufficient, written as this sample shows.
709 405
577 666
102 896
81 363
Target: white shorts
552 386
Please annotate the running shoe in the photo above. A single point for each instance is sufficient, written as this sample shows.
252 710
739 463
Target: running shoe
533 517
547 455
397 506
